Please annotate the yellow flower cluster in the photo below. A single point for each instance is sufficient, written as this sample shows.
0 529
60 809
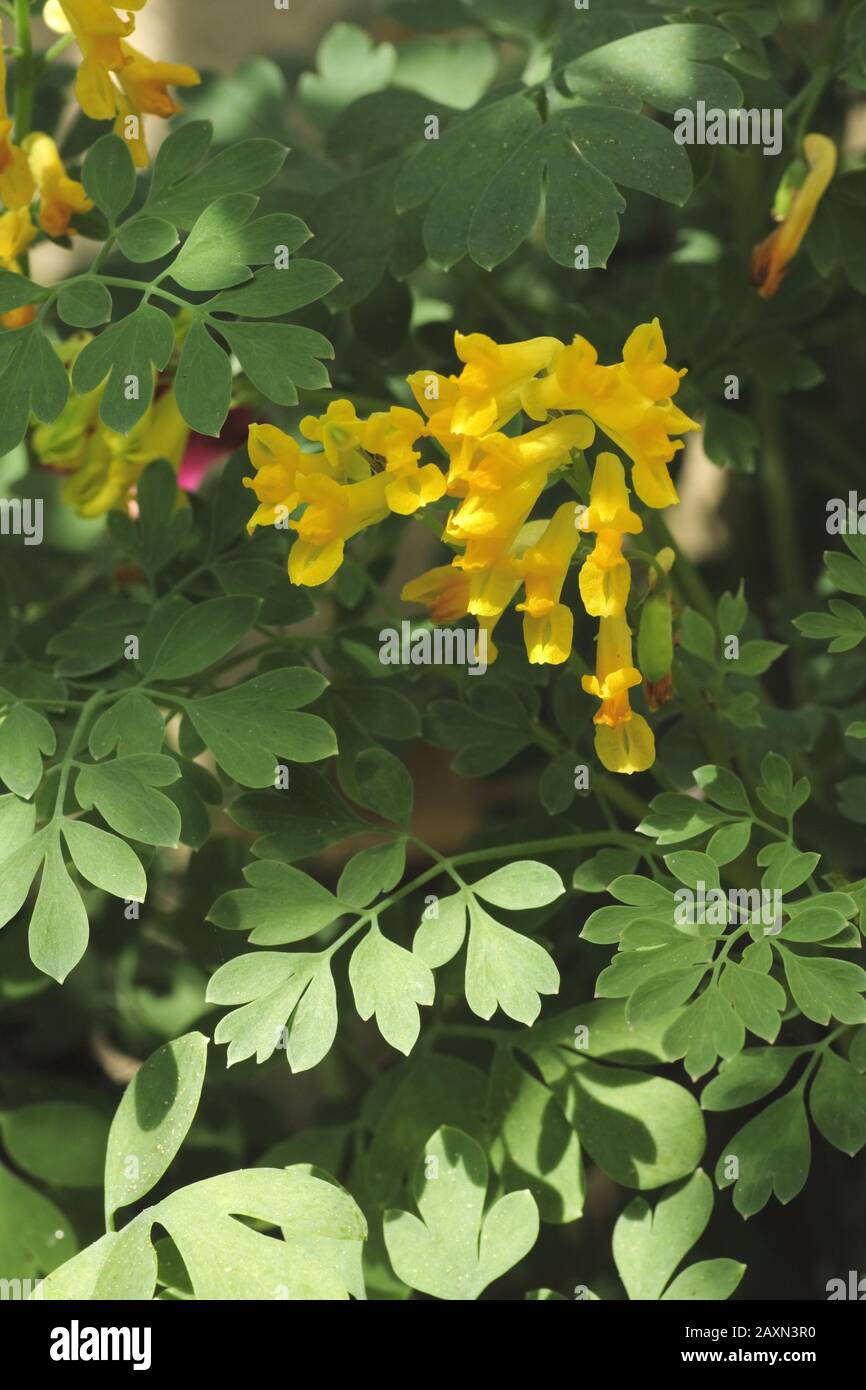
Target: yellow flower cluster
102 467
32 169
365 469
115 82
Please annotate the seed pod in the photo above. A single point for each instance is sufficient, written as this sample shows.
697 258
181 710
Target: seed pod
655 647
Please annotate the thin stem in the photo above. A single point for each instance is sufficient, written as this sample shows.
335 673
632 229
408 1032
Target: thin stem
23 71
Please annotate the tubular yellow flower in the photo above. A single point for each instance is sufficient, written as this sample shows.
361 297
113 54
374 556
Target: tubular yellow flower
278 460
145 83
771 257
437 396
98 31
605 577
16 233
548 625
105 473
624 741
443 590
340 433
492 379
623 402
334 513
60 196
391 436
16 181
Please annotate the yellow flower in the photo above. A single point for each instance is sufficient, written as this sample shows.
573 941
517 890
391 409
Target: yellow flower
506 482
98 31
444 590
334 513
61 197
16 233
104 473
623 741
391 435
278 460
145 83
340 433
771 258
623 401
548 625
437 396
489 387
605 577
16 181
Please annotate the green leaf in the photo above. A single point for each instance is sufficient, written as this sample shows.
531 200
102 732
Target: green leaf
837 1101
699 636
281 906
826 988
58 928
487 175
371 872
17 290
751 1075
643 1131
728 843
532 1144
147 238
773 1155
212 257
440 936
758 999
349 64
181 192
596 874
278 357
709 1028
57 1141
275 291
285 995
108 175
19 870
674 818
133 724
778 792
525 883
153 1118
384 784
666 67
25 735
201 636
128 353
308 820
123 795
649 1244
203 382
724 788
247 727
104 860
454 1251
708 1279
505 970
35 1236
32 378
84 303
390 982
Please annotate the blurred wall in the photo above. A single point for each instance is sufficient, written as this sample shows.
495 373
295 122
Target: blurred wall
219 34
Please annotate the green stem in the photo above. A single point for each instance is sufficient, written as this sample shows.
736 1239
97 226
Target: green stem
68 761
23 71
778 496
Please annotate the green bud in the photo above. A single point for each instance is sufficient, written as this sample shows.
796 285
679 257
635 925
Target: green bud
655 646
